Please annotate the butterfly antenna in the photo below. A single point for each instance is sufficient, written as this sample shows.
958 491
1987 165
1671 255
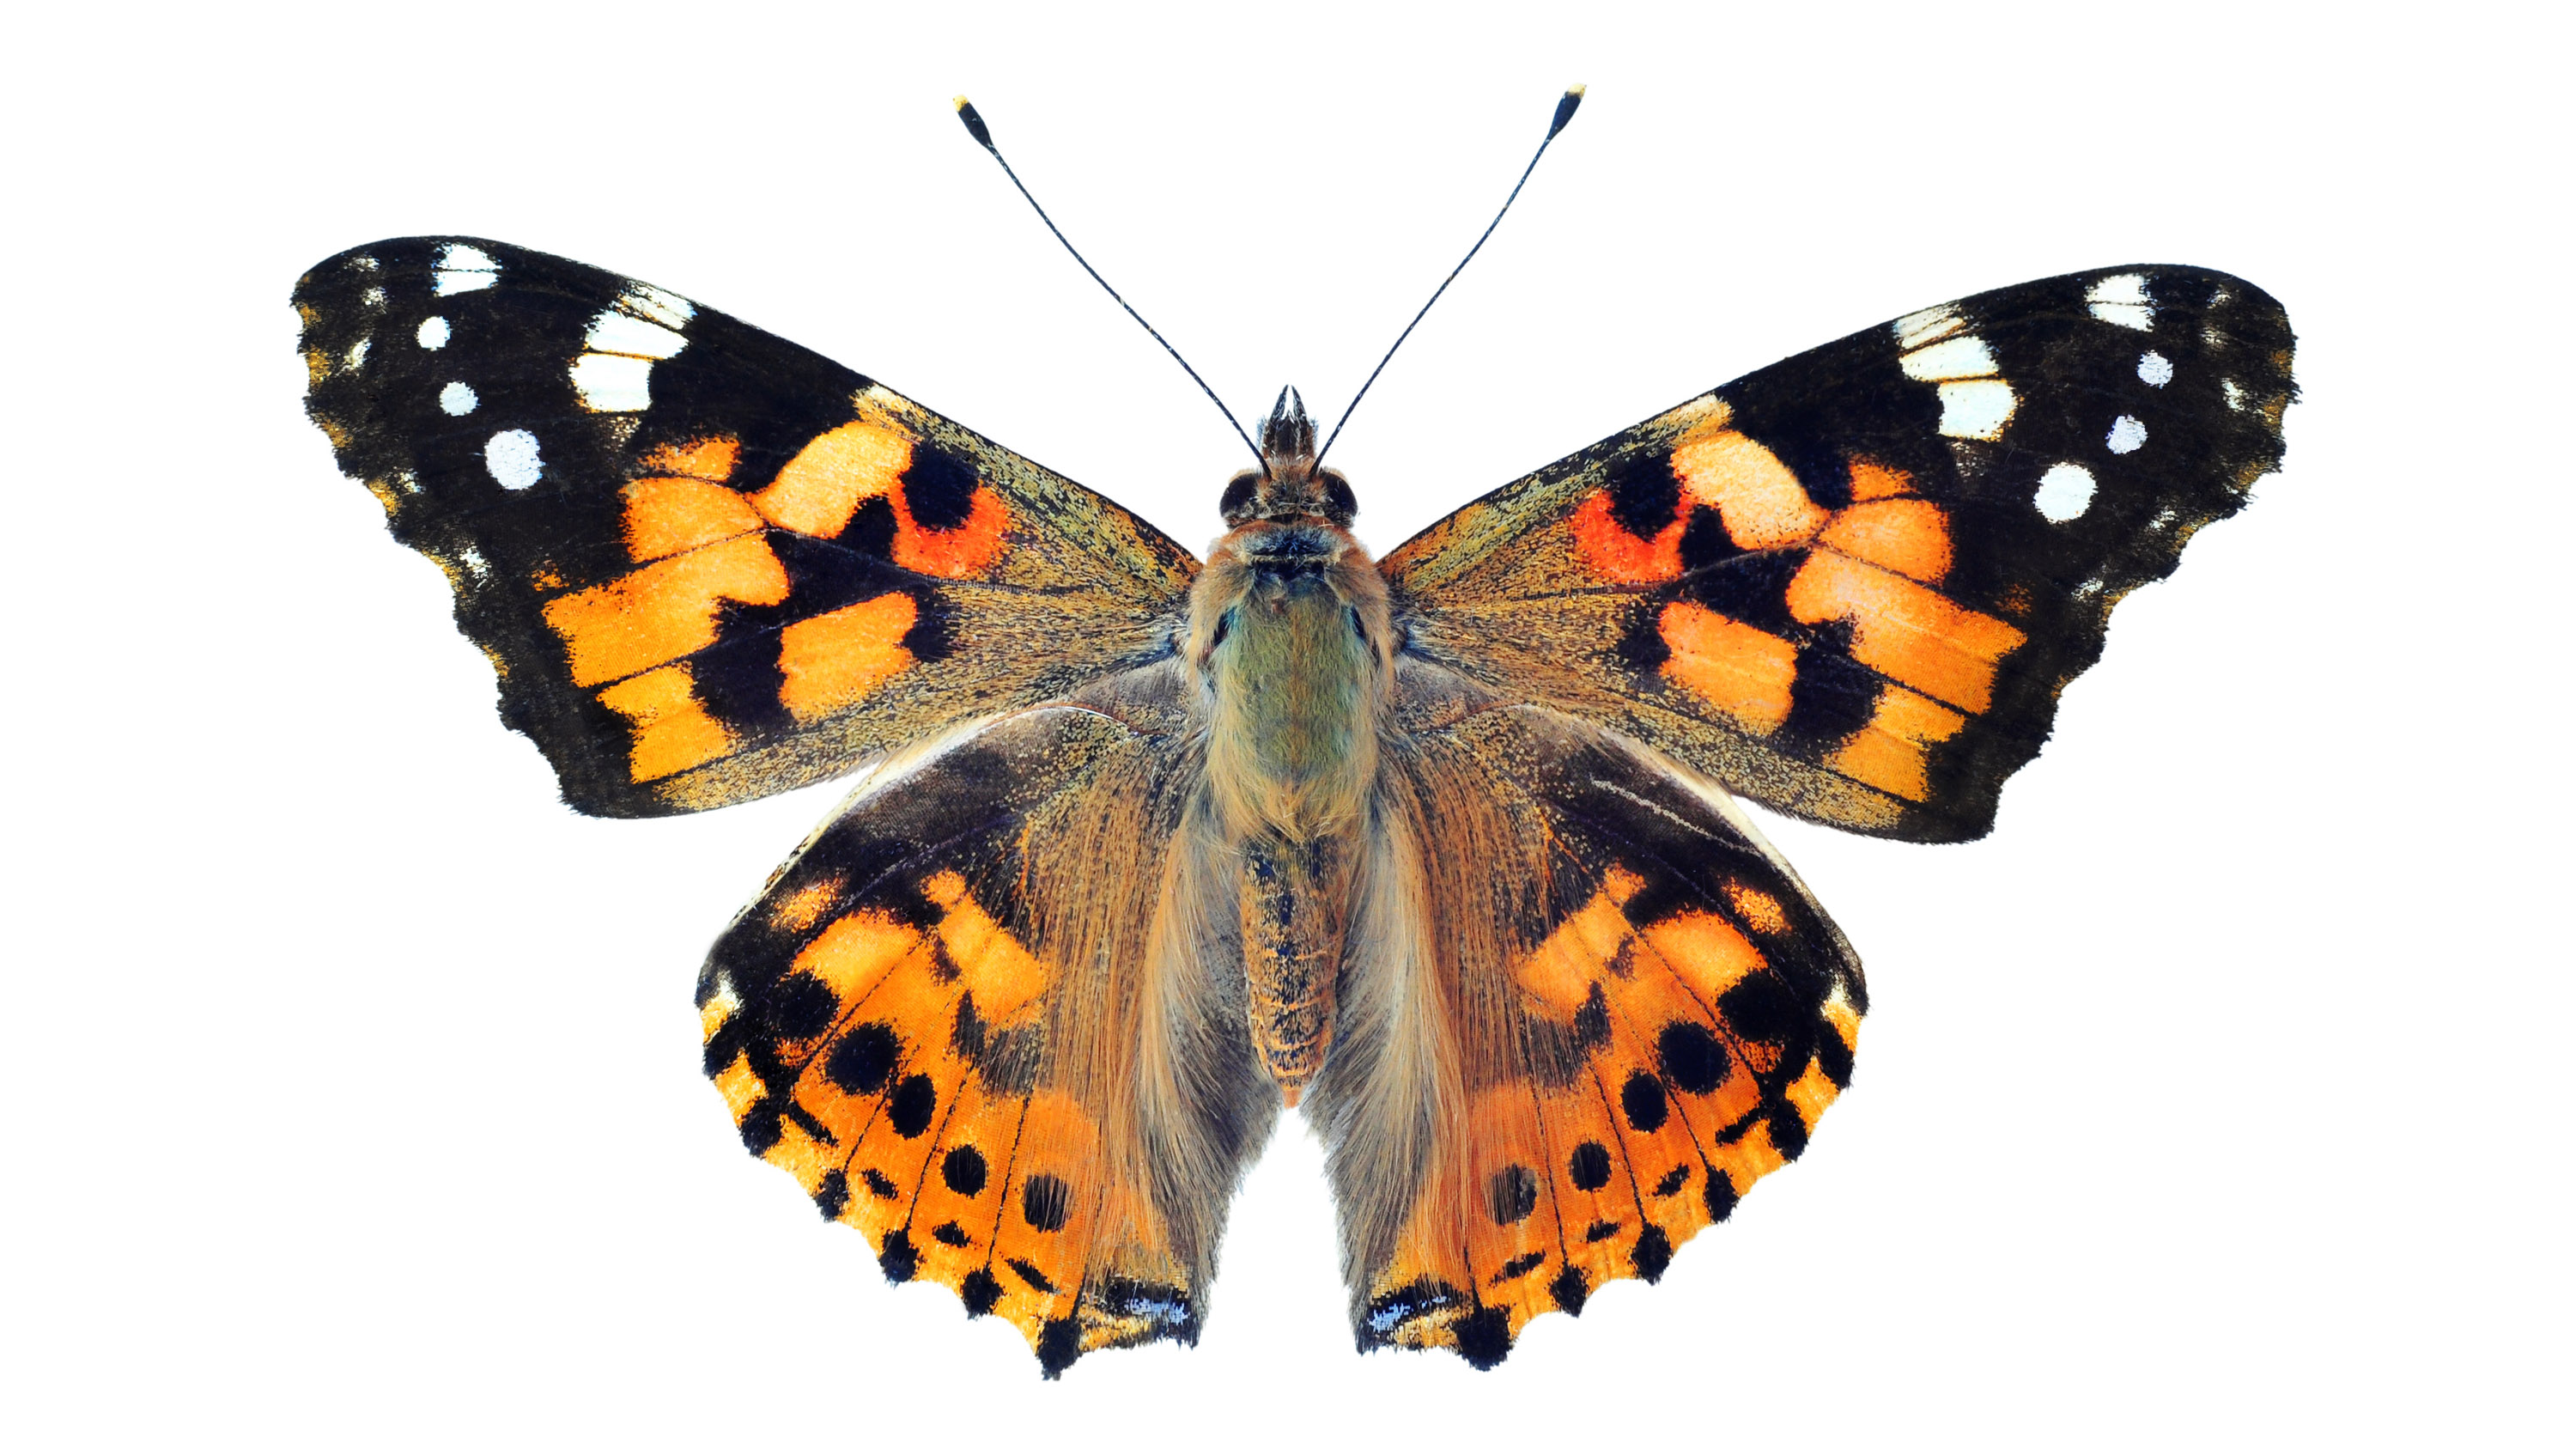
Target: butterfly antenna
976 128
1565 105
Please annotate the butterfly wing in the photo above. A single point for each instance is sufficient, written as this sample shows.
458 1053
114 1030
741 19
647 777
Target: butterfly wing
985 1017
1585 1009
708 564
1851 585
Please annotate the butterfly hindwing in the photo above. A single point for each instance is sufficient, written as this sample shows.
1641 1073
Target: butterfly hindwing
1851 585
984 1017
1593 1007
708 564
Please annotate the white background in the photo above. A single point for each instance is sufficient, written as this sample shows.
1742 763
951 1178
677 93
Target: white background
351 1094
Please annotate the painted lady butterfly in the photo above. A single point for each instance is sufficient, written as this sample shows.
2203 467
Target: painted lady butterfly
1440 848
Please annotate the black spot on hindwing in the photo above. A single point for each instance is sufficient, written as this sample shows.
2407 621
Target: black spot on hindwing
1044 1202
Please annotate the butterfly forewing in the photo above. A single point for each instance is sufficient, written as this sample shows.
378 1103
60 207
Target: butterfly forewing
708 564
1852 584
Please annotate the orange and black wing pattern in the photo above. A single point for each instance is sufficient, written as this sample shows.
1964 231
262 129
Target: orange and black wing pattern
1851 585
707 564
1619 1008
976 1018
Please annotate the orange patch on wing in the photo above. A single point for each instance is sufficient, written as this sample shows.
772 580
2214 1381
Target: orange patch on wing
1904 630
1812 1093
1740 669
952 553
1708 953
1759 908
1907 535
952 1229
1047 1208
1761 502
1890 753
1845 1019
834 660
855 952
1565 965
799 909
1871 481
827 480
662 611
665 516
1607 547
740 1085
990 961
709 458
672 729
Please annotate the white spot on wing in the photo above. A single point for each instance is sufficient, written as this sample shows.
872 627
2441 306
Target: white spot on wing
2122 300
433 333
1977 409
615 375
2235 394
373 297
1945 361
358 353
615 331
456 399
2128 435
461 268
2065 491
2154 370
610 383
1921 329
511 458
655 305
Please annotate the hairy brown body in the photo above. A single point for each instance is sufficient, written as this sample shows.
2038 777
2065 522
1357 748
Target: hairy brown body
1291 638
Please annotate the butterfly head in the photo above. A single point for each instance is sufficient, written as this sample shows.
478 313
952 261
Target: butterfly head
1288 485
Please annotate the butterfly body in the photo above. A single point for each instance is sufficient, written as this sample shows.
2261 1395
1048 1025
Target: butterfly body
1442 848
1291 636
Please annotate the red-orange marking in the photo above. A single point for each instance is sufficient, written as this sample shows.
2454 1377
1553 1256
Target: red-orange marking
955 553
1607 547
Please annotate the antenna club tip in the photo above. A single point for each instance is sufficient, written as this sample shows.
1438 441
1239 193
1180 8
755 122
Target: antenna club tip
1565 105
974 124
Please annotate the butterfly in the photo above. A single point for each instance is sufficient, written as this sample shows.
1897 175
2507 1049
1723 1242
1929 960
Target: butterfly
1443 849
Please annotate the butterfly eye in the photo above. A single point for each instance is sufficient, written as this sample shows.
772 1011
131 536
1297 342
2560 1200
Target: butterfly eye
1340 504
1236 504
1359 625
1224 626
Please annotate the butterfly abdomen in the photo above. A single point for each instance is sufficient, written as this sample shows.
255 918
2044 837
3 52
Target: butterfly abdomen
1288 630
